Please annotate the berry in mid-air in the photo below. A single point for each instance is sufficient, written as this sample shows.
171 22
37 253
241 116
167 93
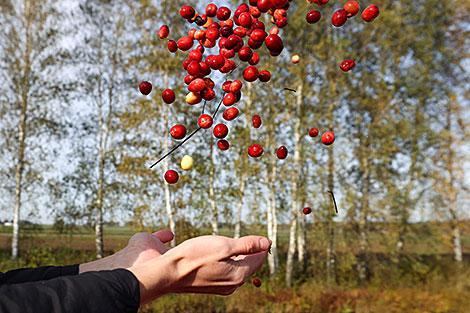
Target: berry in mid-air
187 163
205 121
295 59
352 8
282 152
145 87
171 177
313 132
220 131
257 282
307 210
328 138
339 18
370 13
347 65
168 96
256 119
255 150
178 131
313 16
223 144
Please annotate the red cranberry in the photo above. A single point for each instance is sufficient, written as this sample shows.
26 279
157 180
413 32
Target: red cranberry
250 74
236 86
168 96
172 46
313 132
212 34
256 120
257 282
223 144
178 131
211 10
195 55
163 32
187 12
282 152
255 59
370 13
347 65
245 54
171 177
245 19
313 16
197 85
145 87
230 114
185 43
255 150
229 99
226 86
223 13
208 94
352 8
328 138
274 43
339 18
205 121
220 131
281 22
264 76
264 5
307 210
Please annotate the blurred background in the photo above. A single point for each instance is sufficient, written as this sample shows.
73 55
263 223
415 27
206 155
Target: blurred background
77 139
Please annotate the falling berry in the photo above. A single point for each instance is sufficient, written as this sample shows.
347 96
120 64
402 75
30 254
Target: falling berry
313 16
257 282
352 8
187 12
313 132
295 59
187 163
250 74
223 144
163 32
145 87
255 150
307 210
256 119
205 121
282 152
178 131
339 18
168 96
328 138
370 13
230 114
171 177
220 131
264 76
172 46
347 65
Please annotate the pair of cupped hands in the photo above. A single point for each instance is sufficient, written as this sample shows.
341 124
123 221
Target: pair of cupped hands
206 264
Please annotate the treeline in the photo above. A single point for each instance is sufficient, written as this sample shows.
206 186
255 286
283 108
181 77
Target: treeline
78 138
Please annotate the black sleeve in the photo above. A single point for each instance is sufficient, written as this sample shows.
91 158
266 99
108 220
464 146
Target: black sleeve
91 292
24 275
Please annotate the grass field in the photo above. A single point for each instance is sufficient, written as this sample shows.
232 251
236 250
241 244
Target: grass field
424 280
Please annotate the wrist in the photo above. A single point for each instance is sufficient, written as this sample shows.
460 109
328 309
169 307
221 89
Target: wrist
156 277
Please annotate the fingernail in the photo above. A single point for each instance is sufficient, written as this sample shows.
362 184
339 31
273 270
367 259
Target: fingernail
264 243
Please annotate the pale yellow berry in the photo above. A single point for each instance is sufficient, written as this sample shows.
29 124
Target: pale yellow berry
187 163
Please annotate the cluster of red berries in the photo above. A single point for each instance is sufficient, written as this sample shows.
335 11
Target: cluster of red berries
238 34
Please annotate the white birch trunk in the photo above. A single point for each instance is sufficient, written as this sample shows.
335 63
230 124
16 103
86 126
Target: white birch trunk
240 206
295 209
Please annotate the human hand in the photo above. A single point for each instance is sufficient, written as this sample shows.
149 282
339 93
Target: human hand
141 248
207 264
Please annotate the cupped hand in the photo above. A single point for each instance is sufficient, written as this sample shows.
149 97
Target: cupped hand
207 264
141 248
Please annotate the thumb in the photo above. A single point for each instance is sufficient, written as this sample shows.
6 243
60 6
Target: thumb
164 235
249 245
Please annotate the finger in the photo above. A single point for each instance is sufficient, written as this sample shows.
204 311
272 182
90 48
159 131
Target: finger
249 245
164 235
251 263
